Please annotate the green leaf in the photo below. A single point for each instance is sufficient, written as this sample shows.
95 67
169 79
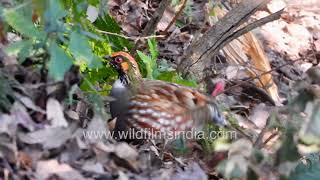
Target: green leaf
23 25
92 35
96 62
149 63
152 43
104 75
164 66
237 164
107 23
59 62
22 49
172 76
288 150
168 76
310 133
308 170
53 14
16 47
6 93
82 52
190 83
93 2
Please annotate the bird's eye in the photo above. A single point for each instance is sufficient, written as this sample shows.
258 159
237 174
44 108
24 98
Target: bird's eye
118 60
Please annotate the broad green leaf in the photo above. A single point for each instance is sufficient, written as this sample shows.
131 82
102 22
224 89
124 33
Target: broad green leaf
102 75
308 170
92 35
55 11
81 50
16 47
52 15
22 24
107 23
96 62
22 49
99 43
148 63
59 62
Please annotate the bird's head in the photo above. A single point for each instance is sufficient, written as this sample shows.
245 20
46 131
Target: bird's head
125 65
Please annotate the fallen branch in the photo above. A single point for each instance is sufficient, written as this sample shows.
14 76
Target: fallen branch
227 29
246 29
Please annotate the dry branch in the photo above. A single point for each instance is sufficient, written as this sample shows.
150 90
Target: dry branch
152 24
193 61
174 19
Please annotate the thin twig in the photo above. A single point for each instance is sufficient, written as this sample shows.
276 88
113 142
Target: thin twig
157 15
211 51
16 8
135 38
270 138
261 134
174 19
192 62
152 24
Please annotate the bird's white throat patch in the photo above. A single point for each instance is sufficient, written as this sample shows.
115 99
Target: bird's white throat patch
118 85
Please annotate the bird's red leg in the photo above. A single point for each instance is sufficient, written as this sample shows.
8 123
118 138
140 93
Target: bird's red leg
219 87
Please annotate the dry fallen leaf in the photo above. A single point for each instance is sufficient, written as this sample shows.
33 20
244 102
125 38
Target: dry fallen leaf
7 124
72 115
46 169
55 113
247 52
48 137
123 150
94 167
97 130
25 160
193 170
28 103
260 114
22 117
8 149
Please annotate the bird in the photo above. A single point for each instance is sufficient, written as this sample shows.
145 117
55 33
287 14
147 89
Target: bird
156 105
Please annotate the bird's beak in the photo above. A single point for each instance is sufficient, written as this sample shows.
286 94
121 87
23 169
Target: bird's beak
109 60
107 57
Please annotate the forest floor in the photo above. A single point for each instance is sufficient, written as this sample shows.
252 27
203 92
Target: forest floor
292 45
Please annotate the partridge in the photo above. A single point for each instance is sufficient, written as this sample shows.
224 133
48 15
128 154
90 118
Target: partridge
157 105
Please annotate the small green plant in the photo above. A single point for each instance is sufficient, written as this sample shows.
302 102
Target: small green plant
160 70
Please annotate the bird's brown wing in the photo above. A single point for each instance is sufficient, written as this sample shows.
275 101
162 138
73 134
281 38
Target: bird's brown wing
161 105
